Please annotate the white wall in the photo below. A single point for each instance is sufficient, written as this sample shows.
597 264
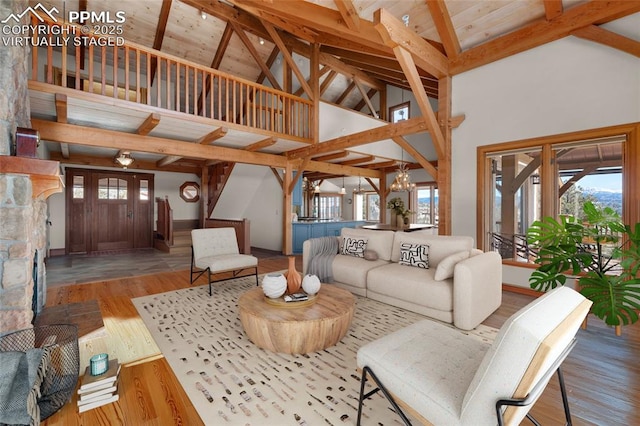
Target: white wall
564 86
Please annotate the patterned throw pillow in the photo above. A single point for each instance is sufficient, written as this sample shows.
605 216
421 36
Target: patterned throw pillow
414 255
354 246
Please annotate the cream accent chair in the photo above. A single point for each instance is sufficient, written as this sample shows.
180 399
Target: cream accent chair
215 250
444 377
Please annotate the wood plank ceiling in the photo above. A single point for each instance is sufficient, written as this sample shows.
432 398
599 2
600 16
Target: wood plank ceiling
246 38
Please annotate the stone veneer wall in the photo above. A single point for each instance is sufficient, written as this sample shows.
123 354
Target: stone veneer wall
22 219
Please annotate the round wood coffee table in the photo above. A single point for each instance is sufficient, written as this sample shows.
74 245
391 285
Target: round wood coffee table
297 330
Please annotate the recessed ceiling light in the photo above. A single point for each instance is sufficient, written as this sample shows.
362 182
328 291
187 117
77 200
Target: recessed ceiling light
405 19
203 15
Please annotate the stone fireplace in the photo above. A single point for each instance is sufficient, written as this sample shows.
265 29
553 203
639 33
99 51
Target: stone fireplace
25 183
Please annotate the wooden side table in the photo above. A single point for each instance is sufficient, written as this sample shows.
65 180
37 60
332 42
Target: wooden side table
297 330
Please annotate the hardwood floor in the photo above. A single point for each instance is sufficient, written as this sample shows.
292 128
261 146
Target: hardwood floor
602 373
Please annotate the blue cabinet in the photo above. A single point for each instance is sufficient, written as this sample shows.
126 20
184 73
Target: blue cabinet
302 231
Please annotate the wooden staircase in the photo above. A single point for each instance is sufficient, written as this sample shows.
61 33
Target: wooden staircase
181 242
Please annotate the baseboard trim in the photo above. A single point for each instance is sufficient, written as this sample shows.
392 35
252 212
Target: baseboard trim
56 252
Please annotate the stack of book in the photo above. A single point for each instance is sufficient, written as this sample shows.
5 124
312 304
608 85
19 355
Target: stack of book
96 391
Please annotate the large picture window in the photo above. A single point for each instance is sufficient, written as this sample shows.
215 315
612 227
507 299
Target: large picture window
520 182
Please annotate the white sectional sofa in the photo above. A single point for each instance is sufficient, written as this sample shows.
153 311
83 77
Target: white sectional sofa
462 285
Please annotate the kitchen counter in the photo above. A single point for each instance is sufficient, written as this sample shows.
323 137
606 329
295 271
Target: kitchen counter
314 228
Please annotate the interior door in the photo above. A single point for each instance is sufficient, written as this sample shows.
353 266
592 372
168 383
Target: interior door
112 211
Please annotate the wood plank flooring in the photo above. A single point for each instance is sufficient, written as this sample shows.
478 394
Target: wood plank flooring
602 374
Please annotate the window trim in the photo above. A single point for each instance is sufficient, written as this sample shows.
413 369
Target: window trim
397 107
630 165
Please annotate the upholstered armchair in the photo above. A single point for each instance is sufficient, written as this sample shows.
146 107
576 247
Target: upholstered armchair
441 376
215 250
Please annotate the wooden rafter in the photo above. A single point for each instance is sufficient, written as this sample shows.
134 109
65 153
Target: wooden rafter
424 163
345 93
446 31
149 124
160 30
330 157
542 32
362 103
349 14
405 127
395 34
354 161
209 138
61 107
365 98
217 60
406 62
277 175
107 161
608 38
552 9
327 81
287 56
256 56
270 60
381 165
264 143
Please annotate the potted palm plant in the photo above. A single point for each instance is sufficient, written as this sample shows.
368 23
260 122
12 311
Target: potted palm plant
601 251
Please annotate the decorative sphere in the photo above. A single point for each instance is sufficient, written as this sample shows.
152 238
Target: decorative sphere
311 284
274 285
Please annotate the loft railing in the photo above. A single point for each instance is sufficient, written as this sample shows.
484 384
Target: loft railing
138 74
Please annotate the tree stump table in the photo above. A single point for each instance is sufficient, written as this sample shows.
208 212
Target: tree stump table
297 329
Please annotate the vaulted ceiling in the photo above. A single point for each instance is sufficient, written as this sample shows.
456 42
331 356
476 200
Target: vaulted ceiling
237 36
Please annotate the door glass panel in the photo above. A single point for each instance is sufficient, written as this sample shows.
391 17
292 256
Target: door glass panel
122 189
144 190
112 189
78 187
103 189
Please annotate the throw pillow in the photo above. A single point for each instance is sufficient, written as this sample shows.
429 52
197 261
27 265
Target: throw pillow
447 265
414 255
370 255
353 246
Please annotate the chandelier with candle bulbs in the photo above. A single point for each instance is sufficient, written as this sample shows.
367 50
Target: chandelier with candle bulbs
402 182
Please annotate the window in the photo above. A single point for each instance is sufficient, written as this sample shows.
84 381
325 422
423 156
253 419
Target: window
144 190
366 206
520 182
112 189
399 112
327 206
78 187
425 198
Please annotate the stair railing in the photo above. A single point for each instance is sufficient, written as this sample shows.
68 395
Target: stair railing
164 225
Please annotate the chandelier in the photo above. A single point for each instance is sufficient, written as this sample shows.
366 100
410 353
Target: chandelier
402 182
124 159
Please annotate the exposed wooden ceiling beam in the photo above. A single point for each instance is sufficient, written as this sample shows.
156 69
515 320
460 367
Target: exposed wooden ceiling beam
257 146
405 127
349 14
321 18
446 31
609 38
327 81
89 136
167 160
287 56
406 62
149 124
270 60
64 148
552 9
541 32
107 161
351 71
159 37
362 103
61 107
426 165
256 56
381 165
330 157
395 33
213 136
217 59
352 162
365 98
277 175
345 93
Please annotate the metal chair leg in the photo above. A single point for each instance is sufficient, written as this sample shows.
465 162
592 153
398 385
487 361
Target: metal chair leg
385 392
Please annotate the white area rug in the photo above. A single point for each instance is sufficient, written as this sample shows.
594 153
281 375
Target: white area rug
230 381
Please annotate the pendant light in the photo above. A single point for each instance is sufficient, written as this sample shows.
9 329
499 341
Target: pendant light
343 189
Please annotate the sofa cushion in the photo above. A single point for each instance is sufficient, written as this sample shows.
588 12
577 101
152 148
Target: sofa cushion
353 246
415 285
353 270
414 255
440 246
378 241
448 264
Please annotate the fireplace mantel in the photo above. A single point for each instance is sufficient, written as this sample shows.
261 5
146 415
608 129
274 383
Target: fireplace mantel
44 174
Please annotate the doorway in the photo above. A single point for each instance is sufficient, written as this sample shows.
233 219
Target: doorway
108 211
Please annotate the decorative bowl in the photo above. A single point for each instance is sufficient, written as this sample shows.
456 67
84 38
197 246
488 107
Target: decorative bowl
311 284
274 285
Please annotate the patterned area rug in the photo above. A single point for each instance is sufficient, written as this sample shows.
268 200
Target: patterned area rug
230 381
